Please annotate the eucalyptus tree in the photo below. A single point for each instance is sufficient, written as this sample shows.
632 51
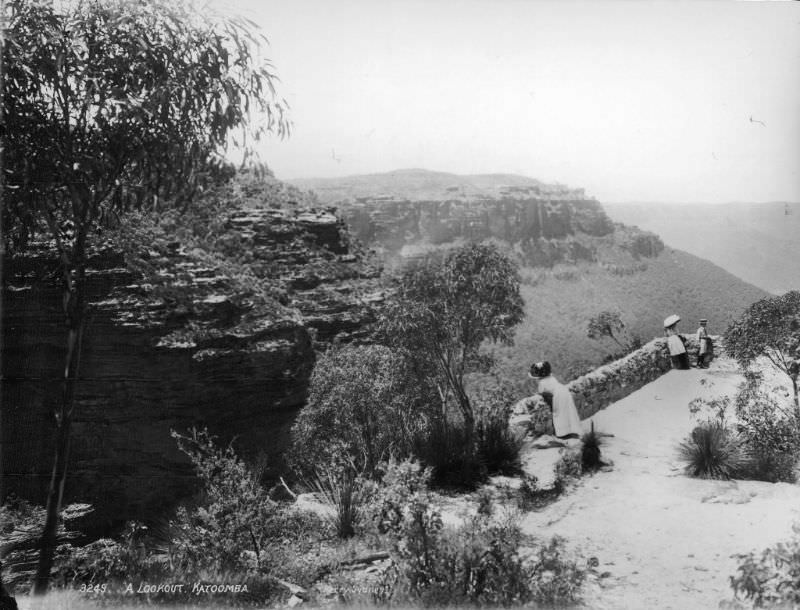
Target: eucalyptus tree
110 106
770 328
445 310
606 324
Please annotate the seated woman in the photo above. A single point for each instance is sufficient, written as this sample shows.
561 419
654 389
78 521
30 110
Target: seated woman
566 421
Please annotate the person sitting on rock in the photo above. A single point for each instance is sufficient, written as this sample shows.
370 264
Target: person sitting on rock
566 421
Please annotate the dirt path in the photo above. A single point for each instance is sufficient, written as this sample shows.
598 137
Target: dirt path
666 539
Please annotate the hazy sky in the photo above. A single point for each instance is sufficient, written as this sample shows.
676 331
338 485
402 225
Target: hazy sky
630 100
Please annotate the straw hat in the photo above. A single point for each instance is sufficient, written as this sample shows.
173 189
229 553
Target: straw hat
671 320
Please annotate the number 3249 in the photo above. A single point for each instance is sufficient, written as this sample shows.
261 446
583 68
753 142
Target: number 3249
93 588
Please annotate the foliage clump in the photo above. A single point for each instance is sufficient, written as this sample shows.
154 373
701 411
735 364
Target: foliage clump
482 561
232 531
752 436
770 328
363 407
772 578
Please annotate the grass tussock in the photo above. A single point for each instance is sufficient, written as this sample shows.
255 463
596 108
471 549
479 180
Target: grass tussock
713 451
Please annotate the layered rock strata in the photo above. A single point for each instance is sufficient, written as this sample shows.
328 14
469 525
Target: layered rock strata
147 367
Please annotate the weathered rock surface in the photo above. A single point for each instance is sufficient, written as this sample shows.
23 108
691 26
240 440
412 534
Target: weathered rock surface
543 231
404 213
148 368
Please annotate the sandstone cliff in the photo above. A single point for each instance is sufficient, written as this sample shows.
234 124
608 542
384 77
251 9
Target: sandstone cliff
406 213
150 365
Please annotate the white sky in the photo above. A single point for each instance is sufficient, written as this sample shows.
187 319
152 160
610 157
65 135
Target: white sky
630 100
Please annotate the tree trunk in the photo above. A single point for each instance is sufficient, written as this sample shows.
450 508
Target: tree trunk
468 415
74 310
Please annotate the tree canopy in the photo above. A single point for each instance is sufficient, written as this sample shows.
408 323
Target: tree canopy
606 324
112 104
363 408
445 310
770 328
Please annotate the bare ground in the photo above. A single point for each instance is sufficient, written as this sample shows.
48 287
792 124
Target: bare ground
667 540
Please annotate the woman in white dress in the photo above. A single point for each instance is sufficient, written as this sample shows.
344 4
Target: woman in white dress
566 421
675 343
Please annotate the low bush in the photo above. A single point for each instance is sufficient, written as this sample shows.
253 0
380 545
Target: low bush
771 579
442 443
530 496
766 426
771 429
109 561
479 563
231 533
568 466
234 516
454 461
498 447
363 406
713 451
403 483
556 578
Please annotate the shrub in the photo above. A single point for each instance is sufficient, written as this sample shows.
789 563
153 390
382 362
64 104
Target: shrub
362 407
772 578
479 563
498 446
235 515
445 447
108 561
403 483
557 579
771 430
568 466
713 451
234 527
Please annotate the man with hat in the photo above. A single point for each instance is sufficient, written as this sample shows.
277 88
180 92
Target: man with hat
703 341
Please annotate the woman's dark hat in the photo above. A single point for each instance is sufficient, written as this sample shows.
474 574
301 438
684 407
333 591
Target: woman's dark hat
540 369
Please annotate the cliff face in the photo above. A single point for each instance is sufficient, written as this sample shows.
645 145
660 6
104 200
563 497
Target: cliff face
239 369
543 231
404 213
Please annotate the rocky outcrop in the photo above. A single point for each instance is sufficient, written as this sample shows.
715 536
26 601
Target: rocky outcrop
239 367
544 231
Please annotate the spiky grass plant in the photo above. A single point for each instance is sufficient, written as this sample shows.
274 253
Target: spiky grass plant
590 453
498 446
342 490
713 451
